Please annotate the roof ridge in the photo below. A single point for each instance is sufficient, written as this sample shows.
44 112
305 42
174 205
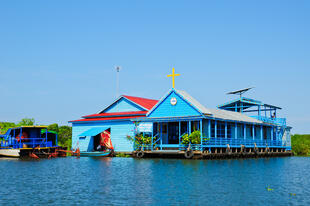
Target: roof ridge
194 101
138 97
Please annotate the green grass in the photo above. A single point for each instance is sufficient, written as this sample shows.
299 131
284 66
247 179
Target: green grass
122 155
301 144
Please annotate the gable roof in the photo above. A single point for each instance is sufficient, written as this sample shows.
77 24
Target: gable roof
189 99
213 113
116 114
143 103
115 118
194 102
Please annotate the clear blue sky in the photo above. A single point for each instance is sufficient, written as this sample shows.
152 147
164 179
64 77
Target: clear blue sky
57 57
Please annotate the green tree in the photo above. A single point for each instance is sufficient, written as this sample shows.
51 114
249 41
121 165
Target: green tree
4 126
53 127
301 145
26 122
65 136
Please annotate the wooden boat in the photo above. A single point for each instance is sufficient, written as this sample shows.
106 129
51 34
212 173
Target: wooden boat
9 152
95 154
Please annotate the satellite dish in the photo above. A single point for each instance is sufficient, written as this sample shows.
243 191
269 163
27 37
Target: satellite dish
241 91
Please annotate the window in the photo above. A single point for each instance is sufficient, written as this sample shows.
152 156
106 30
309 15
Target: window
194 126
212 128
165 128
220 130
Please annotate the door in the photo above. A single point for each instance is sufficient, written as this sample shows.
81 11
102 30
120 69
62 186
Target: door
173 133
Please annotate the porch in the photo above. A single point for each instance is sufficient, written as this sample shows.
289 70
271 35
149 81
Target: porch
168 135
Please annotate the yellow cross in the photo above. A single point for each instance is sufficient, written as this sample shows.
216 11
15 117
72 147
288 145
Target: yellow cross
173 75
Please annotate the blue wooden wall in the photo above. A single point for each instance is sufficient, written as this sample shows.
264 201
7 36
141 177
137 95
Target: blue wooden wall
123 105
119 131
182 108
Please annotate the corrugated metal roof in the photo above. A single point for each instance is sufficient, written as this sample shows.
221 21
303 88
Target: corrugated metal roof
236 116
193 101
93 131
116 114
105 119
144 102
218 113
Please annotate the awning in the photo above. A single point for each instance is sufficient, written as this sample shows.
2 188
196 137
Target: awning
93 131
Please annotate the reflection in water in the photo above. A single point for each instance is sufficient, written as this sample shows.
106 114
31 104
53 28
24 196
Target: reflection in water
127 181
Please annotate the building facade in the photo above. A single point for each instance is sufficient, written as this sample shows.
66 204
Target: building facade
167 121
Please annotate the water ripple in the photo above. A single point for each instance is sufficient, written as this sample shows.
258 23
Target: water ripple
126 181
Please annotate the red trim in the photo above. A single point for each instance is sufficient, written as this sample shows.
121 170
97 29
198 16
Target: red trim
146 103
143 102
105 119
115 114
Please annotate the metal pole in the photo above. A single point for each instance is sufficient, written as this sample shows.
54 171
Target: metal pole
236 130
180 133
201 135
117 80
215 128
244 131
209 128
46 137
161 136
225 130
253 131
152 135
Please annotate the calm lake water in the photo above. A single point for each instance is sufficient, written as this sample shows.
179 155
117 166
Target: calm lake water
127 181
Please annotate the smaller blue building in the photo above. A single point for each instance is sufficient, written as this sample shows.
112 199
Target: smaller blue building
118 118
241 123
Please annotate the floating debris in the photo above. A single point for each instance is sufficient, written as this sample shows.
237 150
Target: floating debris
269 189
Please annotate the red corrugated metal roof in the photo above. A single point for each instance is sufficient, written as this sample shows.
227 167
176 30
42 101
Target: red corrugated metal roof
105 119
143 102
146 103
116 114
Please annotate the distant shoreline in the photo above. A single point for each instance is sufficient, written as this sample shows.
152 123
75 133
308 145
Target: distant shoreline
301 144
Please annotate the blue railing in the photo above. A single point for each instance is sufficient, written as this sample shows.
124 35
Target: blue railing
27 143
183 147
277 121
216 142
144 147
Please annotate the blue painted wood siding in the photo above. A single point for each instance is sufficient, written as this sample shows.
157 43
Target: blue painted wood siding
182 108
119 131
123 105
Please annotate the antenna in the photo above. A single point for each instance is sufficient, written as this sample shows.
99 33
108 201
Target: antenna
118 69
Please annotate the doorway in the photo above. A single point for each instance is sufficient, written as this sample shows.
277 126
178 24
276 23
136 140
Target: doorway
97 141
173 133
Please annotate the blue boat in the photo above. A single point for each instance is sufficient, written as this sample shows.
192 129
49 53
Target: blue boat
29 141
95 154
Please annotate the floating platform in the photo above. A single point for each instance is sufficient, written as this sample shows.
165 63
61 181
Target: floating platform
221 153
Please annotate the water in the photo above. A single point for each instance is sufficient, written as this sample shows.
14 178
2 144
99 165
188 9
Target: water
127 181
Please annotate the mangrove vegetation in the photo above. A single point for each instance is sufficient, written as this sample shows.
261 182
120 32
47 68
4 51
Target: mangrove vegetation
301 144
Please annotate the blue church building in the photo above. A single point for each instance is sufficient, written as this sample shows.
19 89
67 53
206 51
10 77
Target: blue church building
240 123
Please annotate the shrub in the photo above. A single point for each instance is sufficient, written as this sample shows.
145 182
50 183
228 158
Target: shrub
301 145
193 138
